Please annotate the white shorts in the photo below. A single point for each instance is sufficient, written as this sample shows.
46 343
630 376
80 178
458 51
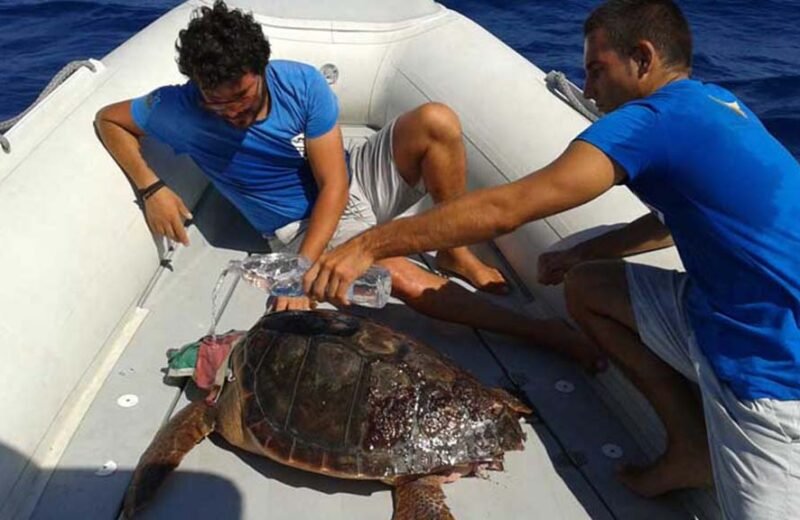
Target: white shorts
754 444
378 193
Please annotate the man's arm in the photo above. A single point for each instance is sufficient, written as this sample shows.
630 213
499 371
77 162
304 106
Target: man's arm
644 234
164 210
579 175
326 157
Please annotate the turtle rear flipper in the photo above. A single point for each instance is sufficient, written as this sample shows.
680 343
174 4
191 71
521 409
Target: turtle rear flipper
172 442
421 499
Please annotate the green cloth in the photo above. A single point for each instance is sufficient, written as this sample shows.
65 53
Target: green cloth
183 360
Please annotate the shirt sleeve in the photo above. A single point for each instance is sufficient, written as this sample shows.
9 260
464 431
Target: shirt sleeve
159 114
630 136
142 109
322 106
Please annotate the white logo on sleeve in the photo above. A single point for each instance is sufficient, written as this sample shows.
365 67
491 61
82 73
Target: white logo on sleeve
152 99
299 143
732 105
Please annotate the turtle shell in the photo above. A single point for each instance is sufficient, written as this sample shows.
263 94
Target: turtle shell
342 395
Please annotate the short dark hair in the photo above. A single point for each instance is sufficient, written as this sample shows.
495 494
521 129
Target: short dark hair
220 45
661 22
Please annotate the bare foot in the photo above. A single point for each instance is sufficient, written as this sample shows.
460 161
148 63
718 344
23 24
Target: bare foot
670 472
461 262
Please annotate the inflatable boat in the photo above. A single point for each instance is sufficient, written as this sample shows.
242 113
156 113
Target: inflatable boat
91 300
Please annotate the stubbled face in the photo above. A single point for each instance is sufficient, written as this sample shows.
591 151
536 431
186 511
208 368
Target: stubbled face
239 102
611 79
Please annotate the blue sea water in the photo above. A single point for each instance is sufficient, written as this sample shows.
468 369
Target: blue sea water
750 47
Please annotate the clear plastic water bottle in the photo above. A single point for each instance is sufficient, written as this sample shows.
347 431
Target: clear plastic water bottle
281 274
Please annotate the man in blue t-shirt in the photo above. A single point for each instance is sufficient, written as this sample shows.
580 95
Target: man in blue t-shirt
266 134
727 194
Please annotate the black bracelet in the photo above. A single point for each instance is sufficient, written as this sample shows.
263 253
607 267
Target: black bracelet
146 193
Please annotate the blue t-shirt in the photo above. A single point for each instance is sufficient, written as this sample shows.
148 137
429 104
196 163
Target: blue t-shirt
262 169
730 194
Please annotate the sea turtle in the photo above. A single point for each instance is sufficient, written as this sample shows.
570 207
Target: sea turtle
343 396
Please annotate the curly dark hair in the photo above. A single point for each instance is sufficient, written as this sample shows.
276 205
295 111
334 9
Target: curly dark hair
660 21
220 45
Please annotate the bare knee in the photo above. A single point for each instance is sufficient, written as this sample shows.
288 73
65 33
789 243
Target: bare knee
427 142
594 285
439 122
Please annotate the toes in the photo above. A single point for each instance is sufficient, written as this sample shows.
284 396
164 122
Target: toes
491 280
667 474
495 287
480 276
637 479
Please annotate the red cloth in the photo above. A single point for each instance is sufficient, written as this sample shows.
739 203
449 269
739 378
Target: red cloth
213 352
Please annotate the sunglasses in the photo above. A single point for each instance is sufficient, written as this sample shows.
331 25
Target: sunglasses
256 90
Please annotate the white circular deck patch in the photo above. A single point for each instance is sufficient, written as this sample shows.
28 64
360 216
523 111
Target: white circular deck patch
565 387
128 401
106 469
612 451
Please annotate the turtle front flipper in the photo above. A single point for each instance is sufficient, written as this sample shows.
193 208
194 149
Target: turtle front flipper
172 442
421 499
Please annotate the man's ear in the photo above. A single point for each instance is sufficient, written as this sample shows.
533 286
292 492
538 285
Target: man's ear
644 55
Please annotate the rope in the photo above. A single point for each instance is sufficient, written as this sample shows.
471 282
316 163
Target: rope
558 81
57 80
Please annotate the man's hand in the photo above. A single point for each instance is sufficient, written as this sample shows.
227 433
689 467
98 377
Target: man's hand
644 234
291 303
166 214
553 266
334 272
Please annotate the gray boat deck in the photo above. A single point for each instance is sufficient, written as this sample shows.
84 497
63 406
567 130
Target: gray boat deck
565 470
562 473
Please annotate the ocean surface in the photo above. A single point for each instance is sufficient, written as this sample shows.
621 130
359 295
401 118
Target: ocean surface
750 47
